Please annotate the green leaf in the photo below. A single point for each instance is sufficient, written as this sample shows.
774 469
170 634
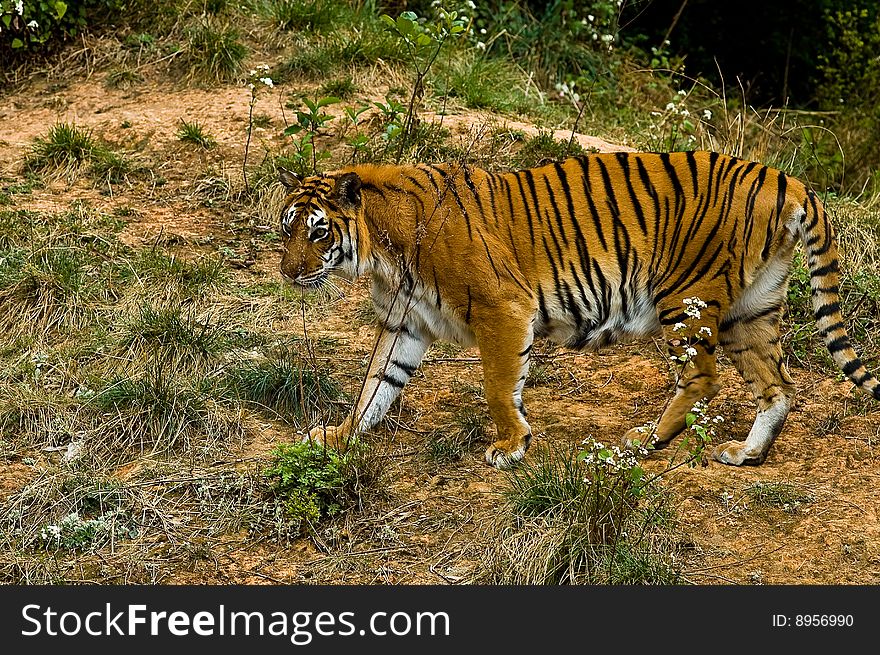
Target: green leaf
7 20
330 100
292 129
690 419
17 43
60 9
389 22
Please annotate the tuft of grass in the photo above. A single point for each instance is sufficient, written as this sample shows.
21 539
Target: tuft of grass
65 148
573 524
305 16
195 134
483 83
110 167
469 428
214 52
342 88
122 78
779 495
173 335
283 386
160 411
170 276
544 148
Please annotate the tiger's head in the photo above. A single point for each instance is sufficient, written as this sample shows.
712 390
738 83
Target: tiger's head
321 221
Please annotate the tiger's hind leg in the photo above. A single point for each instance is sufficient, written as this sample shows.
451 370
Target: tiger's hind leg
753 347
698 378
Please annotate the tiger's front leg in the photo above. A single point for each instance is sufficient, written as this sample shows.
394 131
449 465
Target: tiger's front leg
396 356
505 346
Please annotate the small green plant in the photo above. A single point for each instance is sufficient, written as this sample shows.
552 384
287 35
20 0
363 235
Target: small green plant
308 125
310 481
76 533
195 134
422 41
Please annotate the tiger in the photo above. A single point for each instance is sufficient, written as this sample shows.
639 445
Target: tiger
586 252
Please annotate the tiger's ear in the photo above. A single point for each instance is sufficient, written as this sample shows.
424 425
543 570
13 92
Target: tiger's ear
288 178
348 189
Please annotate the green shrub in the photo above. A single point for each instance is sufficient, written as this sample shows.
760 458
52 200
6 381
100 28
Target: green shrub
310 479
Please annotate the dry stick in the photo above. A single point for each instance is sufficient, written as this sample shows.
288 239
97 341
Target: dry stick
674 23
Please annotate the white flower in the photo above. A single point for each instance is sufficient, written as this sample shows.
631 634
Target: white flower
706 331
607 38
481 45
682 92
670 106
707 115
471 4
19 7
691 351
678 327
482 30
685 113
590 17
33 24
267 81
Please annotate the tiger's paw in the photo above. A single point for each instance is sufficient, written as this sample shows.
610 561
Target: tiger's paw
735 453
506 452
334 436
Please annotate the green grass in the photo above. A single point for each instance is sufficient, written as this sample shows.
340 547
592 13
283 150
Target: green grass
450 445
176 335
282 386
341 87
483 83
214 52
545 148
195 134
65 148
307 15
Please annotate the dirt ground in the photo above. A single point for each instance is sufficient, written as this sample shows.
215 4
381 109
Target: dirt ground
434 517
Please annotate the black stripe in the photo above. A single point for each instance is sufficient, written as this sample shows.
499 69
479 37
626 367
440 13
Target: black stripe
838 344
828 309
851 366
406 368
825 270
393 381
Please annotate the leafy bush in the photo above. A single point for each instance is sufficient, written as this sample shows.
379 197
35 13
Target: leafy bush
27 27
311 480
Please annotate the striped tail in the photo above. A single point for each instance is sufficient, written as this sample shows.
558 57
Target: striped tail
820 244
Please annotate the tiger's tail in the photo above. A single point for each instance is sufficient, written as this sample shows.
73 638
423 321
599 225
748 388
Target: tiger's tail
820 245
